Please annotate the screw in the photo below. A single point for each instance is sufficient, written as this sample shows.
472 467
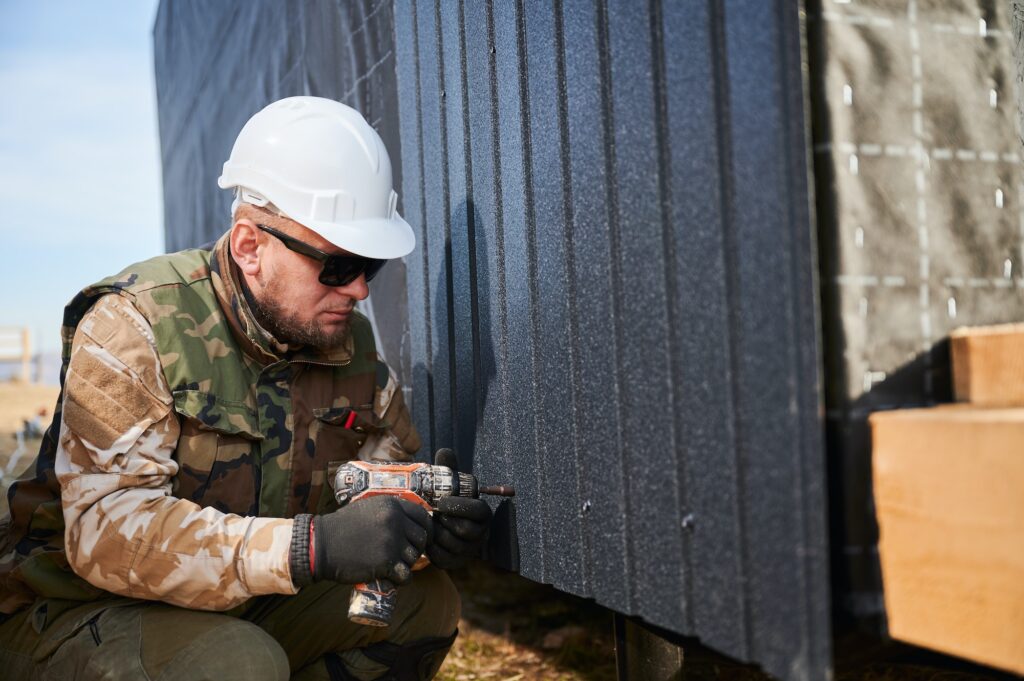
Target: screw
688 522
586 506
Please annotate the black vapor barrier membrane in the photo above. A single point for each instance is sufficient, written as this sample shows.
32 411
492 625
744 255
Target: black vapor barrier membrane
217 63
917 165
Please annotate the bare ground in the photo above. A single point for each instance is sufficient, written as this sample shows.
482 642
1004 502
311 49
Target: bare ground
23 400
20 402
513 629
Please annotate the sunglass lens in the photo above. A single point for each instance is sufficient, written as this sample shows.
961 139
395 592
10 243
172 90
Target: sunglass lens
373 267
343 270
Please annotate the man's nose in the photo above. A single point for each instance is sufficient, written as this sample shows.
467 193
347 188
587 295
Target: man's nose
357 288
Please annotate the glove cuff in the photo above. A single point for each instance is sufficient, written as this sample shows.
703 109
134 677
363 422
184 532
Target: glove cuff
298 556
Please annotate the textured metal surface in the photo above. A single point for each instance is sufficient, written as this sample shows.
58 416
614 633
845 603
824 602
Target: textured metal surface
613 304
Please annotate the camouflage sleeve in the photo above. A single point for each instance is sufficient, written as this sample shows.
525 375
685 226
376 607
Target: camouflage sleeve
125 532
398 439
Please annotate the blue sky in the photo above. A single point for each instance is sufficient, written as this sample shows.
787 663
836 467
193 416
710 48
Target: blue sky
80 193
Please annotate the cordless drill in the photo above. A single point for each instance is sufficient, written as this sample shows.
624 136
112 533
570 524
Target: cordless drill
425 484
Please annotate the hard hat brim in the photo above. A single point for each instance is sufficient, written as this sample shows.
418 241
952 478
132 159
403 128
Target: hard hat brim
380 238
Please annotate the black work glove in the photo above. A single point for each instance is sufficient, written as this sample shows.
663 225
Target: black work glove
460 524
376 538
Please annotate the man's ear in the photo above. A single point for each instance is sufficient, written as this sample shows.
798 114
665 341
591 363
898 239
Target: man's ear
245 246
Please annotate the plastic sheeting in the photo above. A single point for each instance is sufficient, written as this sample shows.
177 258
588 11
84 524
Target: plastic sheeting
919 210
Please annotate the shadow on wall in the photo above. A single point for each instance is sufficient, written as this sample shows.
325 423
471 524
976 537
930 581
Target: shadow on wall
459 380
855 561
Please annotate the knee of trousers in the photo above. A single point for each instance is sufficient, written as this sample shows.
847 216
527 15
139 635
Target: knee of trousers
235 649
428 606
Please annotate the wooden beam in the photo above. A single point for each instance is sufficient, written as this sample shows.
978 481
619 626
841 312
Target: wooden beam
949 495
988 365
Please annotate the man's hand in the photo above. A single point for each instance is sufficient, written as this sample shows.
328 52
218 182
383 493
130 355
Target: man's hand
460 524
377 538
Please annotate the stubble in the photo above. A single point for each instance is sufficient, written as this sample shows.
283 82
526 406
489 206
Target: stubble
286 326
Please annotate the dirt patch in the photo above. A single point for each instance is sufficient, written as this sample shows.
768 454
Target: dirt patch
20 402
513 629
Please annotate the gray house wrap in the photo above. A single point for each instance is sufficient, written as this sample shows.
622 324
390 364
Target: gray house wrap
917 166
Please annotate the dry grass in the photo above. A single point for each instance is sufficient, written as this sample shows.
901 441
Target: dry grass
513 629
479 654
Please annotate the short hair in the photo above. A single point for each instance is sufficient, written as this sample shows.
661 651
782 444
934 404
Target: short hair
248 197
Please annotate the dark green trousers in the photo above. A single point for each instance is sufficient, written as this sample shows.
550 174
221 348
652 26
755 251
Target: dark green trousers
269 638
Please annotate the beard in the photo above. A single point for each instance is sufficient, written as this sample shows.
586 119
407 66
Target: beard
285 325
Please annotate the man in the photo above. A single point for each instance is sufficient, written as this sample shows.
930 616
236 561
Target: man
178 523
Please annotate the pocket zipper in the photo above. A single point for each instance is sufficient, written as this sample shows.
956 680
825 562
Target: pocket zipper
95 630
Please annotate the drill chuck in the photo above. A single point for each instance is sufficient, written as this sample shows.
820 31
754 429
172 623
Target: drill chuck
467 486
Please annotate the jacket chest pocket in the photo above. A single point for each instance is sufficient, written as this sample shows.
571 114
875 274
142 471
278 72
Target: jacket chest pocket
336 435
217 454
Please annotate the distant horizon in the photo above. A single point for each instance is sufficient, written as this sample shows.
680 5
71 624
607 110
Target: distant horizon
48 361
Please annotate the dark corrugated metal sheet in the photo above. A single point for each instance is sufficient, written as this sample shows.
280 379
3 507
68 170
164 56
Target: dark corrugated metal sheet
612 306
613 303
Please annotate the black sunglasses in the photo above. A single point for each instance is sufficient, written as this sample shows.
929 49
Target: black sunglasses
338 270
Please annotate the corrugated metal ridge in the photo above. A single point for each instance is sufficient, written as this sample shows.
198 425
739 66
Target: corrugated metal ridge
526 110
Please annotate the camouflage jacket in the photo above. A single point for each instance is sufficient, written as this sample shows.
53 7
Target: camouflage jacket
185 439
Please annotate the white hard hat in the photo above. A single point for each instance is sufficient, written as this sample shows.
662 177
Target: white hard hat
321 164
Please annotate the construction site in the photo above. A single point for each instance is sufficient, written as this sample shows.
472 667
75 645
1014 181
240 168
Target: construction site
720 302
